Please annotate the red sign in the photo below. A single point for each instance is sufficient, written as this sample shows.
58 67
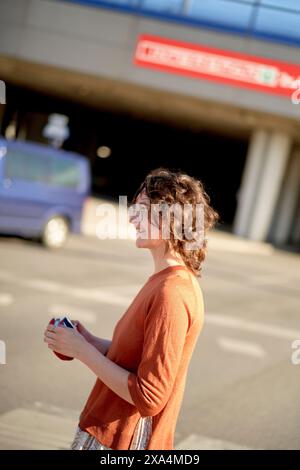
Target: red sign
208 63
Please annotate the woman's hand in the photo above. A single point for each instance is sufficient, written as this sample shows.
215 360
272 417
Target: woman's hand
83 331
67 341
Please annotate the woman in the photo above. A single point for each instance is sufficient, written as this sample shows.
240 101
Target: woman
141 373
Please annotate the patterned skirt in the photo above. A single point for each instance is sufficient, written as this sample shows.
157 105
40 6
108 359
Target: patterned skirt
140 438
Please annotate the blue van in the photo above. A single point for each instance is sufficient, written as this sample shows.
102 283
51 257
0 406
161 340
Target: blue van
42 191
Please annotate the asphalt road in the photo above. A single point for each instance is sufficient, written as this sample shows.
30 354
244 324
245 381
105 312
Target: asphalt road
242 391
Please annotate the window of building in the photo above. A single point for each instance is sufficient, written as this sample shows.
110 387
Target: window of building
226 13
278 23
166 6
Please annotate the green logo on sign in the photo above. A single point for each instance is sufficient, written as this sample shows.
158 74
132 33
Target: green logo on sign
267 75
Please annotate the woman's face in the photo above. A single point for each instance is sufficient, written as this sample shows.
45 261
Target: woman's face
147 235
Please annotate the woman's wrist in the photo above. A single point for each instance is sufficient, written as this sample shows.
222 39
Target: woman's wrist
101 344
86 352
92 339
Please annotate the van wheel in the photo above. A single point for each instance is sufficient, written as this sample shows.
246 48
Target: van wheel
55 232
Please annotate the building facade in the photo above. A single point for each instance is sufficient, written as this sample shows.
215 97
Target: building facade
211 85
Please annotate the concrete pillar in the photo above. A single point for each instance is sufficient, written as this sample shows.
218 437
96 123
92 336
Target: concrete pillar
250 180
288 200
277 155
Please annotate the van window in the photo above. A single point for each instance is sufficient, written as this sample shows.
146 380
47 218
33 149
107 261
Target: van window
64 173
48 169
26 166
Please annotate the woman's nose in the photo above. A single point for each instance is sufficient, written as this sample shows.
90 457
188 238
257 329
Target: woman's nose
134 219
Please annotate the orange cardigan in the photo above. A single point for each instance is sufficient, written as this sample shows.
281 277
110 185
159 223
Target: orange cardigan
154 340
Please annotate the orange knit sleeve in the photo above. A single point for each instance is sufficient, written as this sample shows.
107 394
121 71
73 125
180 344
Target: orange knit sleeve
165 328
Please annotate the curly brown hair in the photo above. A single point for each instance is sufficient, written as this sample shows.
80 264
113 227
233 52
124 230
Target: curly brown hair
166 186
